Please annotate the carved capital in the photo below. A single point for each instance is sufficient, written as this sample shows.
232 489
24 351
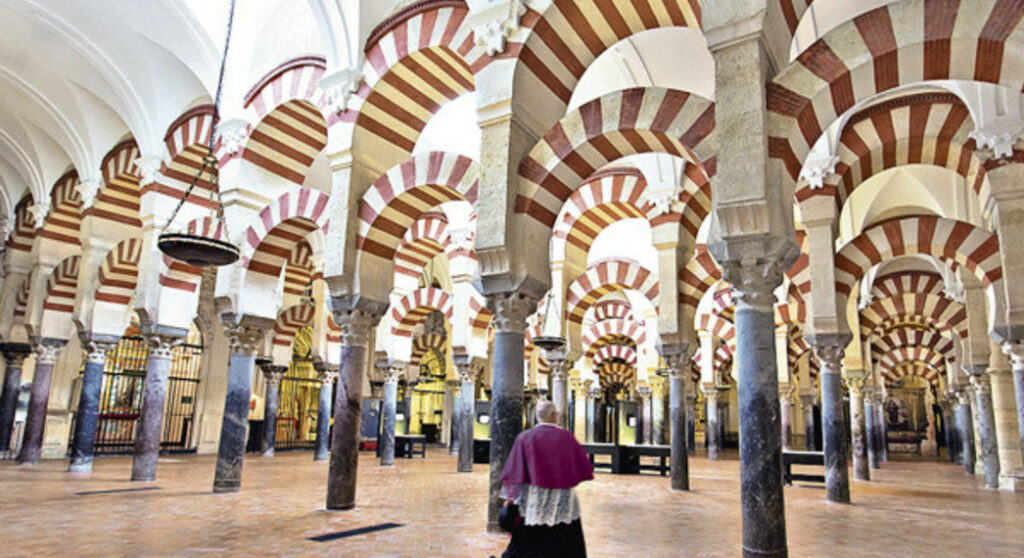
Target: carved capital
981 384
149 169
807 400
88 189
394 371
711 393
38 213
1016 353
511 310
755 267
15 353
963 395
244 339
817 171
855 384
47 350
273 373
997 144
829 357
327 374
96 351
645 393
493 25
162 346
233 133
356 326
339 88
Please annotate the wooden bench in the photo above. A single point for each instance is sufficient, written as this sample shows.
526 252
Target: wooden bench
790 458
625 460
663 453
481 451
593 450
410 445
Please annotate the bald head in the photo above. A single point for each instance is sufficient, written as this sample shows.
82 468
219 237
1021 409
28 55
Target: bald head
546 412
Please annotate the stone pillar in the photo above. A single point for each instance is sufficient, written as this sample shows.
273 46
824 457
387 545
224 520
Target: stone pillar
646 415
810 433
691 423
874 455
327 374
510 313
244 338
949 425
14 355
560 391
272 373
387 435
451 394
356 328
986 428
468 374
83 443
407 393
593 396
1016 352
47 351
149 429
965 428
883 439
785 413
837 476
658 412
1011 465
858 425
712 430
678 414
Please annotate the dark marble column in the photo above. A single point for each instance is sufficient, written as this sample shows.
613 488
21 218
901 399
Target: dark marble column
883 441
1016 353
357 326
47 351
451 395
810 432
559 385
785 412
678 420
858 429
244 337
874 459
837 476
986 428
327 374
646 416
761 493
712 431
387 433
149 429
965 428
272 373
593 396
691 424
14 355
658 413
949 425
468 374
83 442
510 312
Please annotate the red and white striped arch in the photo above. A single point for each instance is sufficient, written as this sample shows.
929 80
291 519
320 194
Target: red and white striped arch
621 352
480 316
792 312
119 199
792 12
23 234
416 61
422 344
620 332
912 337
119 273
612 309
615 373
697 276
800 277
628 122
64 221
410 311
722 303
289 322
898 44
286 142
717 326
604 277
401 195
570 34
21 300
609 196
424 240
59 302
299 270
186 141
927 129
927 355
921 282
949 240
910 369
696 202
913 308
296 79
301 210
180 276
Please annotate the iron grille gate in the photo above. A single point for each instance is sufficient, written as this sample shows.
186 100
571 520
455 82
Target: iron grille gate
121 397
297 412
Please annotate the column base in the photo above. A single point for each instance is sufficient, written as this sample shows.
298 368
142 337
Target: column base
83 467
226 489
341 507
1013 482
268 453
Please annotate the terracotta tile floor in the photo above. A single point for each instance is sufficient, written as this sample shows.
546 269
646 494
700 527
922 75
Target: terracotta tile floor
912 509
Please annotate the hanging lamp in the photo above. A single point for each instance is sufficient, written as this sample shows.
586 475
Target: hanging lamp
205 246
548 342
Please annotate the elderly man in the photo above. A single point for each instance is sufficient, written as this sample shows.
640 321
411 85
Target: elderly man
543 468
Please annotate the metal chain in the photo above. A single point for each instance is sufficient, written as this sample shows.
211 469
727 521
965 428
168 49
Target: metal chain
209 160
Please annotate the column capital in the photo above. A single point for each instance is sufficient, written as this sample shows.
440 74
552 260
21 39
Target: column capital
807 400
711 392
963 395
162 345
755 264
273 373
855 384
15 353
96 349
327 373
511 310
829 353
1016 353
356 325
48 349
645 393
494 24
980 382
394 371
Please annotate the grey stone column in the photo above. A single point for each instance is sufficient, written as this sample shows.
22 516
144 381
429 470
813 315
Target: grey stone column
965 428
949 425
47 351
678 419
1016 353
593 396
328 375
883 438
986 428
658 413
874 457
244 337
83 442
560 390
837 475
149 429
858 429
712 431
647 415
468 374
691 423
272 373
14 355
810 431
357 326
451 397
387 434
510 313
785 413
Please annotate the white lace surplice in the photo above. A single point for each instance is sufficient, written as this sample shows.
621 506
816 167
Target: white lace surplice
547 506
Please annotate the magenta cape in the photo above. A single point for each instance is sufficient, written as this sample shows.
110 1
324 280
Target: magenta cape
548 457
